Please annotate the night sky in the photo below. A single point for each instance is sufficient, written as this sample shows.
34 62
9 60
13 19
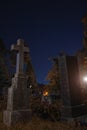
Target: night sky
47 27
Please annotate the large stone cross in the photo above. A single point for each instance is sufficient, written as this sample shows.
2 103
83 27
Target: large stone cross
19 47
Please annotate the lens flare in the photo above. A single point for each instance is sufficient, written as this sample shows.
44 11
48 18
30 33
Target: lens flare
85 79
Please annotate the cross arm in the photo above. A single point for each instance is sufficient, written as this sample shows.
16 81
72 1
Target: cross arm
14 47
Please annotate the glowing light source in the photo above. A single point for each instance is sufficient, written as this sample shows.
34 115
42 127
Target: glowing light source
85 79
45 93
30 86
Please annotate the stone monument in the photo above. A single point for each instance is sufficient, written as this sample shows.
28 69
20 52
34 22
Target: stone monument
18 108
71 95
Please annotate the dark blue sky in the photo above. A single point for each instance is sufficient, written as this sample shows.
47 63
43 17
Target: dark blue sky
48 27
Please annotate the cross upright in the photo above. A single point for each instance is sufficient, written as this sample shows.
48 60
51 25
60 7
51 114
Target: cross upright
20 48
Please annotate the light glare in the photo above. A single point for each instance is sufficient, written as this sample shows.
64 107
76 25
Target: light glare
85 79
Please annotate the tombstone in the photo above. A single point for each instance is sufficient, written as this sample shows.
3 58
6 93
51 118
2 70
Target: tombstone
71 95
18 108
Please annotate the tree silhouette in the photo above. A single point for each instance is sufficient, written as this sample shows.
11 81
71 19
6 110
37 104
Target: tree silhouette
53 75
4 73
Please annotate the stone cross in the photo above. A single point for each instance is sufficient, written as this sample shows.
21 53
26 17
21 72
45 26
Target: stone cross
20 55
18 106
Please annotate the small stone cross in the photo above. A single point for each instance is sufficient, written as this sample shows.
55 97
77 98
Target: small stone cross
19 47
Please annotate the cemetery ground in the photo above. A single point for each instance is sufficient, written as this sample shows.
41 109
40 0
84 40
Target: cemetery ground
39 123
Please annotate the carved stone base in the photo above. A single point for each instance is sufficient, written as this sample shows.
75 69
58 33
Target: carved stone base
13 117
18 108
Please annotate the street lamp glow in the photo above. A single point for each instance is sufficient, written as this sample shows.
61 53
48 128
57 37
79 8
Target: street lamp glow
45 93
30 86
85 79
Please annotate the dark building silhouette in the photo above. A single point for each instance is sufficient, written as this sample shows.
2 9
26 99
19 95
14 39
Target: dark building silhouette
82 54
70 87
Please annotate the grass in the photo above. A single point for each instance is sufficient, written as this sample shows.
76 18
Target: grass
39 124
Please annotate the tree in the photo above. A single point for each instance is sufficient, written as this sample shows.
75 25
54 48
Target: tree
31 74
2 47
4 73
53 75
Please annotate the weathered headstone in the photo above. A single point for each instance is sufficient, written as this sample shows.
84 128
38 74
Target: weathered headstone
18 108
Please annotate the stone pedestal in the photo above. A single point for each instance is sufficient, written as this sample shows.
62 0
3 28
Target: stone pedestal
72 112
18 108
71 94
12 117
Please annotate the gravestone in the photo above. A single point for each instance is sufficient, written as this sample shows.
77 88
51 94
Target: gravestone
18 108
